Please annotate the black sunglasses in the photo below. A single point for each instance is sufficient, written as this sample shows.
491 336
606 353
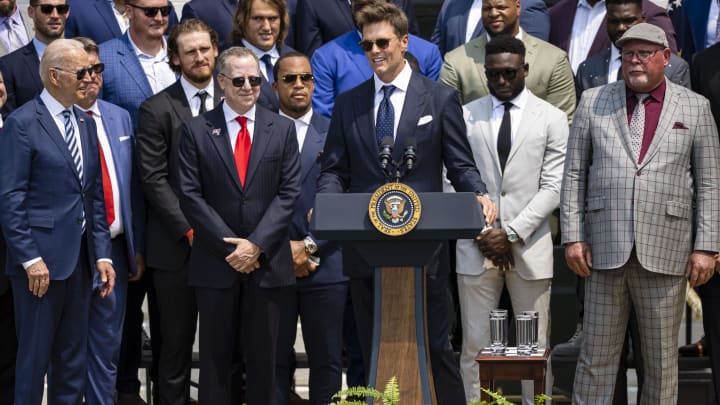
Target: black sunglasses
507 73
240 81
80 73
367 45
291 78
152 11
48 8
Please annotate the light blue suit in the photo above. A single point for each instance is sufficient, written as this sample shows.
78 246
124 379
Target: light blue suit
107 314
340 65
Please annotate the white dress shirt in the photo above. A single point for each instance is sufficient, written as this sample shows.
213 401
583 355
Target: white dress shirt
712 25
397 98
274 56
301 126
614 65
192 97
121 18
474 16
585 27
233 126
516 112
156 68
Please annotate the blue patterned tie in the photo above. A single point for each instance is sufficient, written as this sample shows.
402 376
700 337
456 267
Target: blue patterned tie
72 144
385 116
267 61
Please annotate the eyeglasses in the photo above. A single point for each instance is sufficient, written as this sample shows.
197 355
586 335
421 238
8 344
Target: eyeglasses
643 55
240 81
291 78
367 45
151 12
507 73
80 73
48 8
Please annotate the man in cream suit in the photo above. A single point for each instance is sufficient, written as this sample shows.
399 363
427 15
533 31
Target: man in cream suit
639 214
551 78
520 153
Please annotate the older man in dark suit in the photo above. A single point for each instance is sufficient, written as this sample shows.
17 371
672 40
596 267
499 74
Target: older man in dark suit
239 178
408 105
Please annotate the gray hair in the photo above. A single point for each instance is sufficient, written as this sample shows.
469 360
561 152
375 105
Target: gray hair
235 52
56 55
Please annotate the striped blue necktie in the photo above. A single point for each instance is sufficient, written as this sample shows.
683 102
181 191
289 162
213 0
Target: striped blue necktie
72 144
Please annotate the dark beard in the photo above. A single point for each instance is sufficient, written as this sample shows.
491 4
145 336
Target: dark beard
6 10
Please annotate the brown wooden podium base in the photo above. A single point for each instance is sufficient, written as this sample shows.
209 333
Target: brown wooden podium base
399 335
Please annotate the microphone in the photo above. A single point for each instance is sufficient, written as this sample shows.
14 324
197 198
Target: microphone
385 155
410 156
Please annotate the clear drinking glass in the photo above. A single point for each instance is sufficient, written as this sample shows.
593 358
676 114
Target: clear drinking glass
534 338
498 331
523 333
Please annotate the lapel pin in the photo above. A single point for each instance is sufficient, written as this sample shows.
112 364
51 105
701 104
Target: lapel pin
216 131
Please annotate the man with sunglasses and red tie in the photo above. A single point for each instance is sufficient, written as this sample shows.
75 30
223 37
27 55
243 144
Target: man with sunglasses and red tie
20 68
239 179
54 223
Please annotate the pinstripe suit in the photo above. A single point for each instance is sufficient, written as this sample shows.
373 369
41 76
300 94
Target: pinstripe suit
639 222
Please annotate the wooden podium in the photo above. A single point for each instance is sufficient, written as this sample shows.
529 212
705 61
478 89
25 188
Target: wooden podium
399 346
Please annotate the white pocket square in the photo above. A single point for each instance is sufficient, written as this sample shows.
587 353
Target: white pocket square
424 120
124 138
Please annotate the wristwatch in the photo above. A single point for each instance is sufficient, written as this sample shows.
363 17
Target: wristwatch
310 246
512 236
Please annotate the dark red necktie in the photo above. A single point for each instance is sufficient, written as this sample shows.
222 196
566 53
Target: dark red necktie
107 185
242 149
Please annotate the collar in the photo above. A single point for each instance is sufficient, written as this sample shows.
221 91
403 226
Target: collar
190 88
585 4
259 52
402 81
518 36
160 55
305 119
519 101
14 17
231 114
94 108
52 104
657 94
39 47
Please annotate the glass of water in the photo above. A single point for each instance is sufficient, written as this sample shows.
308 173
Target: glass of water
523 330
534 330
498 331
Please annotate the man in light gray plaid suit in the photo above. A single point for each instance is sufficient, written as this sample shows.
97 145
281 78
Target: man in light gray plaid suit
639 206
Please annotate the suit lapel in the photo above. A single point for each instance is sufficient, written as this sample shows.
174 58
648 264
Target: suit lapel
619 108
105 10
311 150
484 112
412 108
219 137
86 145
178 100
218 95
345 11
133 68
48 124
667 120
32 63
529 117
365 120
260 141
480 52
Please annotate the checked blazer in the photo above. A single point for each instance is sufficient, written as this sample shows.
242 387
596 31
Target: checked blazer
611 202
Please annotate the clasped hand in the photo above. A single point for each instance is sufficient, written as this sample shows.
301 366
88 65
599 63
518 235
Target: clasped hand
244 258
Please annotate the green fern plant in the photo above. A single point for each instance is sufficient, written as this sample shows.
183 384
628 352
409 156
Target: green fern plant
390 396
501 400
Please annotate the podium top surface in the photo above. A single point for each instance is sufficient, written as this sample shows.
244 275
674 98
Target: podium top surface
444 216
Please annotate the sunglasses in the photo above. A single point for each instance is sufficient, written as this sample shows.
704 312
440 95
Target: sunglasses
80 73
152 11
367 45
291 78
48 8
240 81
507 73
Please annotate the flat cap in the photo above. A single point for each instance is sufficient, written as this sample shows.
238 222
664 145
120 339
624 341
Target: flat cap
644 32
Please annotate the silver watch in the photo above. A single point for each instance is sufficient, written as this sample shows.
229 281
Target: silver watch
310 246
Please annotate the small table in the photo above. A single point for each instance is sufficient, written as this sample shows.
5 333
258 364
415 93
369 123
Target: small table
512 367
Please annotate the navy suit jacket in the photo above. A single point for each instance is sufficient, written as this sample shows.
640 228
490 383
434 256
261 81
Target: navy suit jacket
218 14
42 200
121 138
340 65
124 81
452 22
217 206
562 15
95 19
350 164
321 21
693 27
705 77
330 270
21 71
594 72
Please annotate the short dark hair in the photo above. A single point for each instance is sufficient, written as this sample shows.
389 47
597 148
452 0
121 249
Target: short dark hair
242 14
88 44
616 2
379 11
505 43
191 25
293 54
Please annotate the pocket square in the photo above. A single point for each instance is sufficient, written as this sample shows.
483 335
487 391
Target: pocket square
424 120
679 125
124 138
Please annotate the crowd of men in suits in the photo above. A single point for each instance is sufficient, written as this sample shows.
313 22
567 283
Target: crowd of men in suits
178 161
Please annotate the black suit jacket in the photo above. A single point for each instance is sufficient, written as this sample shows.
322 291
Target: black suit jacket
21 71
705 77
157 138
217 206
321 21
594 71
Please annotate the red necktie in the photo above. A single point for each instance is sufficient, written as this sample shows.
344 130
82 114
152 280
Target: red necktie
107 185
242 149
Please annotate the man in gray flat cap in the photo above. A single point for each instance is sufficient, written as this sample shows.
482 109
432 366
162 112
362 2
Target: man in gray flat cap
639 215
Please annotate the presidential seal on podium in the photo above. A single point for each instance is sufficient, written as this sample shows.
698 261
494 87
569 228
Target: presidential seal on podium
395 209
